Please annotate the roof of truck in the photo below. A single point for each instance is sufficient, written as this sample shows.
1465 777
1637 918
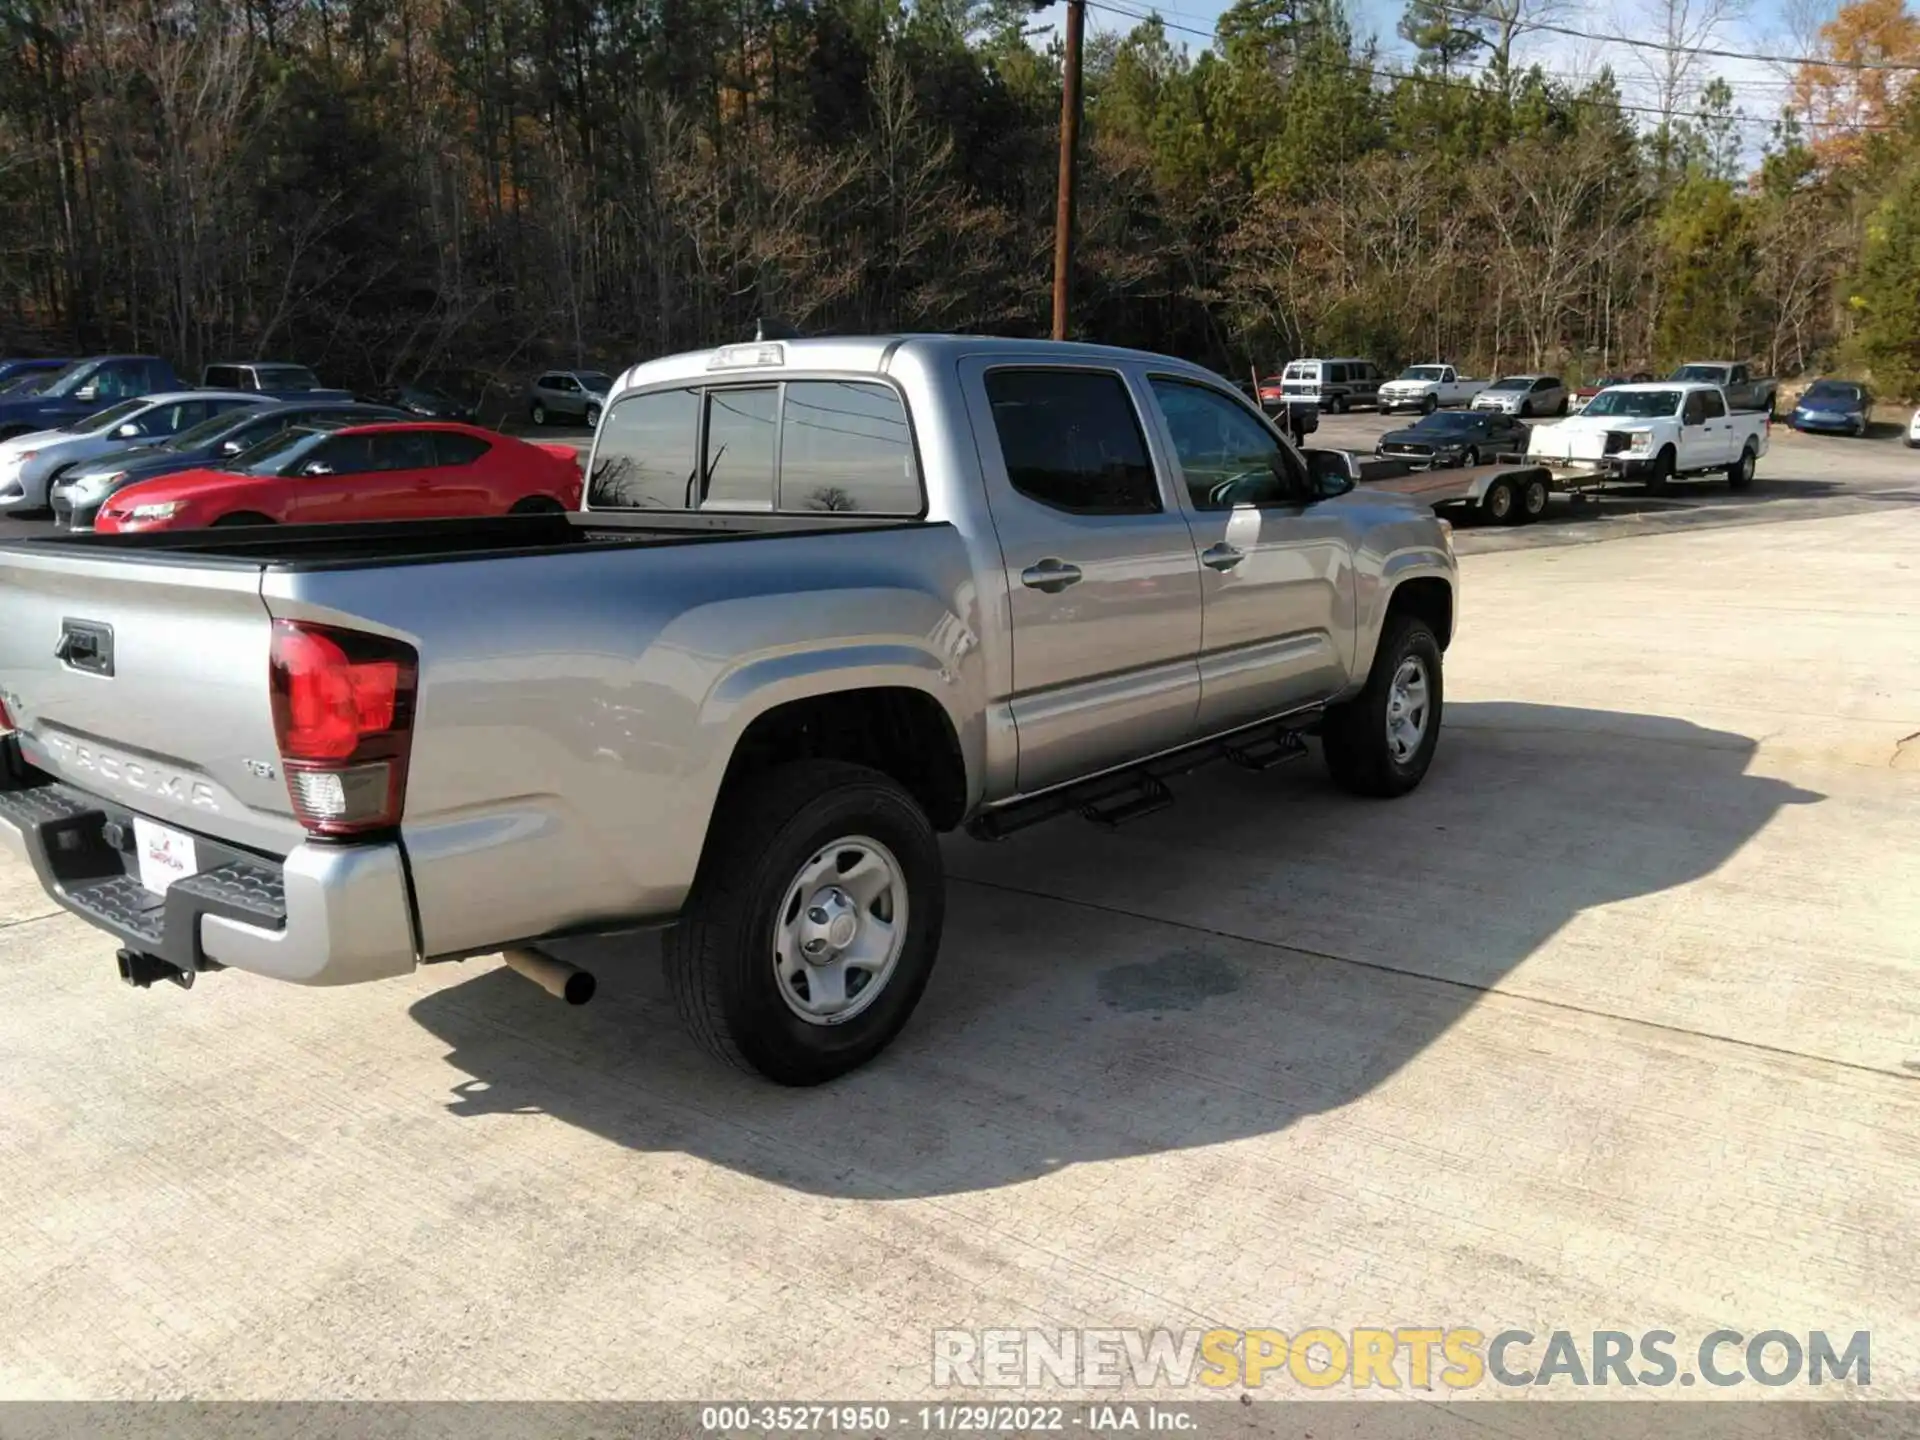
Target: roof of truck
870 354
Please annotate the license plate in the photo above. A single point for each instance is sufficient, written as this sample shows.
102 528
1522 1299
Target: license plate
165 855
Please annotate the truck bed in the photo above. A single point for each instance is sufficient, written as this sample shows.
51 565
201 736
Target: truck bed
302 548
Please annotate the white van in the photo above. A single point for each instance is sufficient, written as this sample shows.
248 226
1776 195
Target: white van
1334 385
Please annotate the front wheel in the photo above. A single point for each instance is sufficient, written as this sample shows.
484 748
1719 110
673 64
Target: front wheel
1429 405
1660 478
1500 502
593 417
1740 474
813 923
1470 456
242 517
1381 742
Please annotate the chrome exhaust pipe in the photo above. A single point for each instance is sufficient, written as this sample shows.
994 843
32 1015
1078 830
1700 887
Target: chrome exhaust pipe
559 979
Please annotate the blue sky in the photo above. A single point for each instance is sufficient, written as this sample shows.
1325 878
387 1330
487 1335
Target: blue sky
1770 26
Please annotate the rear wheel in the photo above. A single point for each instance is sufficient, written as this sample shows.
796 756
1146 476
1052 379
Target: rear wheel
1533 501
1338 405
1381 742
593 417
1740 474
539 414
537 505
1565 403
242 517
813 923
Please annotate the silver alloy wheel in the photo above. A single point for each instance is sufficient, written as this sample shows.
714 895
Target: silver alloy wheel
1500 500
1535 499
840 930
1407 709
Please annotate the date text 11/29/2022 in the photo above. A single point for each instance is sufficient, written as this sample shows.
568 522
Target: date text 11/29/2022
1097 1418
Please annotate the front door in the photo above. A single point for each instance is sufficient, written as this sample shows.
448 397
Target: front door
1700 443
1277 572
1102 584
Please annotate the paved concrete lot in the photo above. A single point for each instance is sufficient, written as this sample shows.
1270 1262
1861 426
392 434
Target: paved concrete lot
1613 1024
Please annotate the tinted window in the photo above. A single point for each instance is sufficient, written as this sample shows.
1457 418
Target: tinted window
1545 382
1336 374
1071 440
548 382
402 450
225 377
1712 405
741 430
287 377
644 457
1226 456
1695 409
245 437
452 448
343 455
846 447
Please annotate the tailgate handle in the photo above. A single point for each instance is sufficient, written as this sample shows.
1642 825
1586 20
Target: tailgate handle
85 645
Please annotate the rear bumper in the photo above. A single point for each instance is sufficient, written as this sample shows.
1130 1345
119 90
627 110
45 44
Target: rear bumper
326 915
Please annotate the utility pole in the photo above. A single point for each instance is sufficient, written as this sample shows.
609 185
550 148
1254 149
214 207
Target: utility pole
1069 163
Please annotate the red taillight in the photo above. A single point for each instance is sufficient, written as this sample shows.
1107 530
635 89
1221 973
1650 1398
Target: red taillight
343 715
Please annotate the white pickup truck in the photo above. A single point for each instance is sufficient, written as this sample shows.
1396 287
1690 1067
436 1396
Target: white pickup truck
1426 388
1651 434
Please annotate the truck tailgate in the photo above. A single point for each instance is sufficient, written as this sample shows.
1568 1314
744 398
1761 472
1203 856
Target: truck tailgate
146 682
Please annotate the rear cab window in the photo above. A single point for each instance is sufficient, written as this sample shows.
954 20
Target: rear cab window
792 447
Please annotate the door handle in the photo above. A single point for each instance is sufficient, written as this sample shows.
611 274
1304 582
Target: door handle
1221 557
1050 575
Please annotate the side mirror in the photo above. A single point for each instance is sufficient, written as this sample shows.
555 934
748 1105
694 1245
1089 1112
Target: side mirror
88 391
127 431
231 447
316 467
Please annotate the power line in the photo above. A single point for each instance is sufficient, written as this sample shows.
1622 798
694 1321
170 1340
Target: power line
1429 78
1671 47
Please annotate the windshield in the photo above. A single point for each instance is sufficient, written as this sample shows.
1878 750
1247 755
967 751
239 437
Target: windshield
269 457
1425 372
104 421
1833 392
71 378
1705 374
1441 423
1635 404
209 430
1513 382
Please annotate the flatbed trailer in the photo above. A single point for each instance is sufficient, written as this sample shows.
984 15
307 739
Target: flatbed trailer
1511 491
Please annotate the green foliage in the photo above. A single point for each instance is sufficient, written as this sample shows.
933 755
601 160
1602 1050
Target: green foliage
1885 295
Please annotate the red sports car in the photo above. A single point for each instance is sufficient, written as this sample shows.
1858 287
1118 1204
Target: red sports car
318 473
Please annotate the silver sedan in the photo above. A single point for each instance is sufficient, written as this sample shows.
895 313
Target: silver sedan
29 464
1524 395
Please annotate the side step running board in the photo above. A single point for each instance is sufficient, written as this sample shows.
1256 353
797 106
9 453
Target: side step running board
1113 799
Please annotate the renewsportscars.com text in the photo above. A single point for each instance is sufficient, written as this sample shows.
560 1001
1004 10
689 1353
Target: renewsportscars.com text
1407 1357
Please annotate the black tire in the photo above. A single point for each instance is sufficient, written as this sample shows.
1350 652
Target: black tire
1660 478
1500 502
538 414
719 958
1533 501
1429 405
593 417
1565 405
1353 737
537 505
1470 456
1740 475
242 517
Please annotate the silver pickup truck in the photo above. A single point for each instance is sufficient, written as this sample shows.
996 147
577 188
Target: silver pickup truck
828 599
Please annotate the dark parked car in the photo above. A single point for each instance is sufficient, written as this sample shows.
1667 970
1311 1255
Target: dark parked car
1834 407
428 402
78 497
85 388
1455 437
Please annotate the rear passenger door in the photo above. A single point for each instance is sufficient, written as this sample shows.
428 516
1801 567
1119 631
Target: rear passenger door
1276 570
1103 585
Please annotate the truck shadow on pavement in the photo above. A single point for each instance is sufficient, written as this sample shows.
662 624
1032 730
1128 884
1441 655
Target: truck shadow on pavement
1266 949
